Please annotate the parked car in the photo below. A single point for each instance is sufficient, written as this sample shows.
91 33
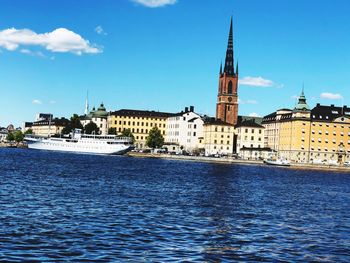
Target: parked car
347 163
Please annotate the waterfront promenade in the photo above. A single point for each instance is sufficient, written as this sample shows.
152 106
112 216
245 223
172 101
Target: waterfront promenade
227 160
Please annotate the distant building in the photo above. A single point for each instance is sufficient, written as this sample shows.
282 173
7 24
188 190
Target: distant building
218 137
26 126
3 134
250 140
319 135
43 117
184 131
227 99
140 122
218 133
99 117
49 127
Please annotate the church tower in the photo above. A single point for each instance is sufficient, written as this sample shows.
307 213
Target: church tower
227 103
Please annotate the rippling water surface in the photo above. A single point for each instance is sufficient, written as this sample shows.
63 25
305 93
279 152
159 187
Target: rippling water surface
70 207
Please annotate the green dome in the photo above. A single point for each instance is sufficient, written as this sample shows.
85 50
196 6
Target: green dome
101 112
302 105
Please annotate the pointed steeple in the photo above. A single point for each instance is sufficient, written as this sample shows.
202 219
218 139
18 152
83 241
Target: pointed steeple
302 105
87 103
237 68
221 68
229 67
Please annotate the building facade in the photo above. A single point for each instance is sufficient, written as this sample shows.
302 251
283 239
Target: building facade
319 135
49 127
99 117
249 135
139 122
184 131
218 137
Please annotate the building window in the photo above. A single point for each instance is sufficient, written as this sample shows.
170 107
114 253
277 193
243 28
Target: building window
229 90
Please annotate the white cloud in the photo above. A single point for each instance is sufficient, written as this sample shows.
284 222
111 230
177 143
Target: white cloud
251 102
36 102
60 40
254 114
32 53
294 97
155 3
240 101
99 30
257 82
331 96
25 51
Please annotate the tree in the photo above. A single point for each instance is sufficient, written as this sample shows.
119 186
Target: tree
155 139
91 127
18 136
112 131
128 133
10 137
74 123
29 131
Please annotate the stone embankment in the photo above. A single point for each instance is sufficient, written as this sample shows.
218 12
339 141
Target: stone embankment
13 145
239 161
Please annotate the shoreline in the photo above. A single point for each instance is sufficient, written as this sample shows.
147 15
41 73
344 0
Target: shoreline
203 159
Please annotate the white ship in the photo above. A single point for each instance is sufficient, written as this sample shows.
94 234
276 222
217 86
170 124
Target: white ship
278 162
82 143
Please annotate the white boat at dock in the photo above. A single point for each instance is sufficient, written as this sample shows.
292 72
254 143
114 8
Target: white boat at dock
278 162
82 143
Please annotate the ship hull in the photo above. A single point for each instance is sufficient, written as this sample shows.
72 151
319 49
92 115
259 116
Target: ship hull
80 147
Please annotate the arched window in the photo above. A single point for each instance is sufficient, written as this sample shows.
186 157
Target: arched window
229 87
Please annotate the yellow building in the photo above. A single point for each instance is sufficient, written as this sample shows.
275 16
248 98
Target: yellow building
49 127
250 140
139 122
218 137
320 135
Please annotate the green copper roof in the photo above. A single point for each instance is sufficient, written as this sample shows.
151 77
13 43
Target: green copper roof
302 105
101 112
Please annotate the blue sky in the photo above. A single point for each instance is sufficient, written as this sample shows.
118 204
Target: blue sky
165 54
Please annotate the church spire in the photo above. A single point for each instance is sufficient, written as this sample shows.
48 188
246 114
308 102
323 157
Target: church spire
302 104
229 67
237 68
87 103
221 68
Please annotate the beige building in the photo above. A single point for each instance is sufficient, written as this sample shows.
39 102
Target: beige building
49 127
250 140
218 137
319 135
140 122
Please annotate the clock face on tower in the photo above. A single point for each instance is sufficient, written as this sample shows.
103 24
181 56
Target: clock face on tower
229 99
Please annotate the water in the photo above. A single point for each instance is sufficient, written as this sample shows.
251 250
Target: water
70 207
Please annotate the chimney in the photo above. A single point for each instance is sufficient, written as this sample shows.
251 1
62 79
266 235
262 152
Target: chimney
332 105
191 108
318 105
186 109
